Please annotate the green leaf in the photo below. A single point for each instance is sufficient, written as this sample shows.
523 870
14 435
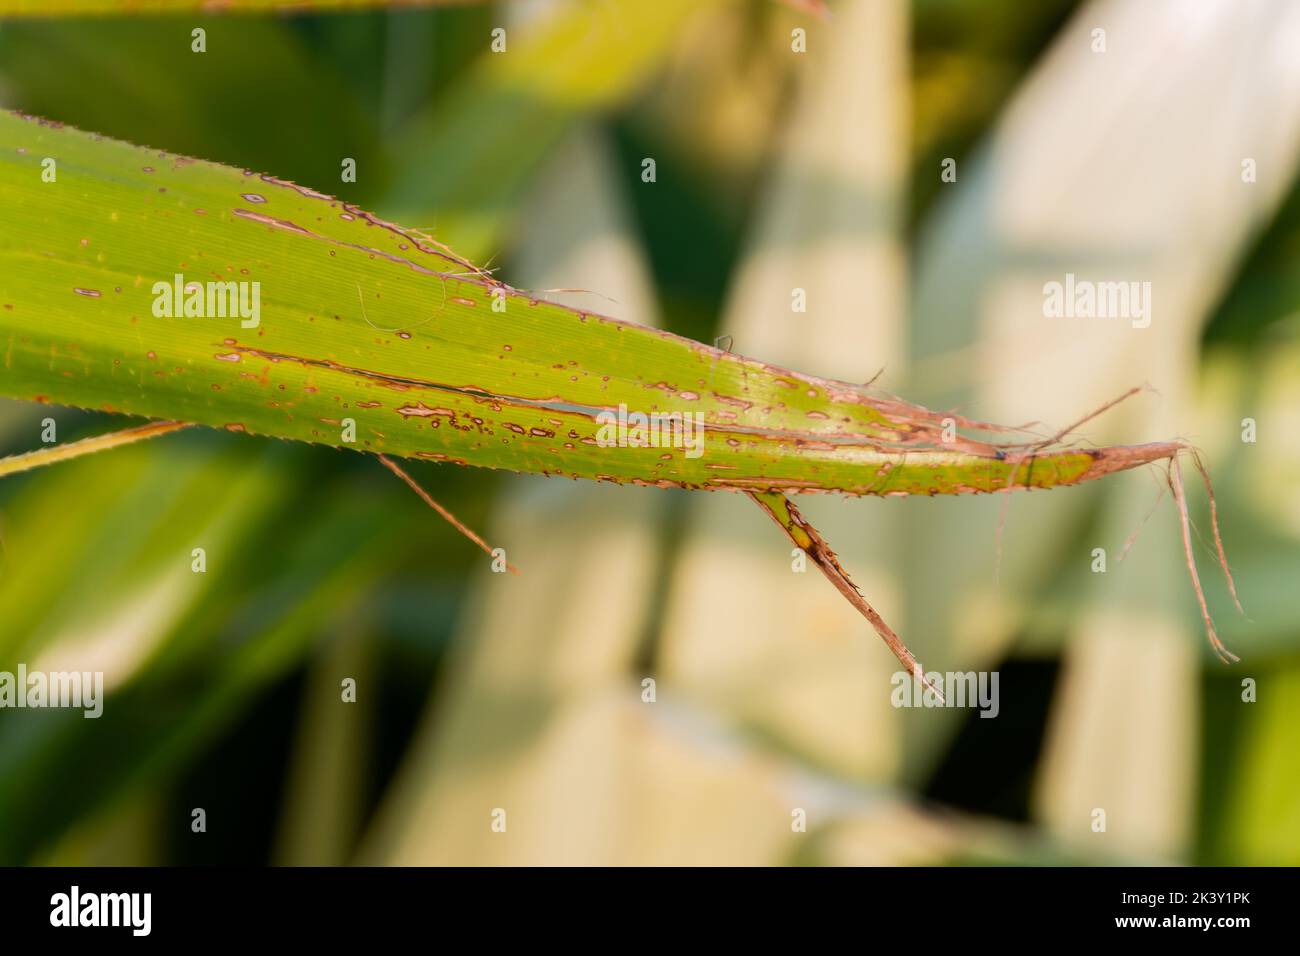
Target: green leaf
347 317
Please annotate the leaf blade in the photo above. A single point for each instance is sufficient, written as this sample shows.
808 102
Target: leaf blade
436 360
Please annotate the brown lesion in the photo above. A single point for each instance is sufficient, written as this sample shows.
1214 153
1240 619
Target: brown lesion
1106 461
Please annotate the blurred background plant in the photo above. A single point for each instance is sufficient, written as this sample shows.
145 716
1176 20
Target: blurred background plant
774 170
